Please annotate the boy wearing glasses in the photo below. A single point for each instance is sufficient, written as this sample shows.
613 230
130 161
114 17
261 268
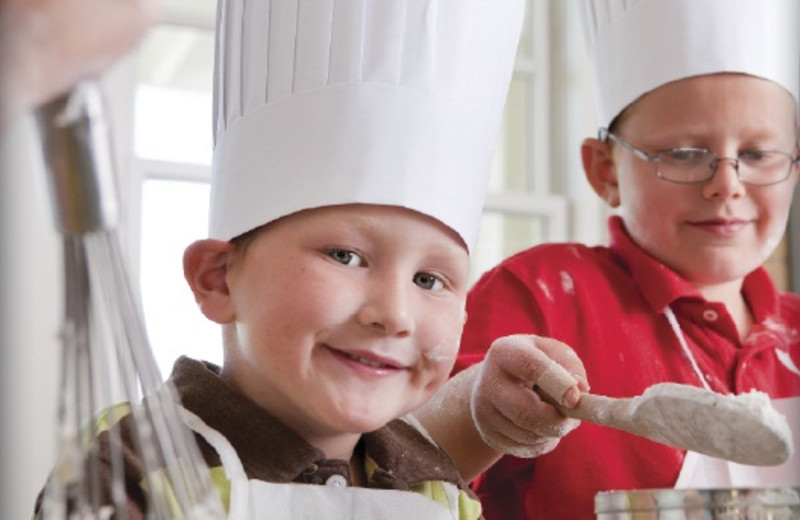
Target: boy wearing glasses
698 151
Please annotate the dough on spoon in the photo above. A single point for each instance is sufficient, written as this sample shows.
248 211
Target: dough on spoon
741 428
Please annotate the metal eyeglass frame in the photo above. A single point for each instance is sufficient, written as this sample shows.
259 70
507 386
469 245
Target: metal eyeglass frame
604 134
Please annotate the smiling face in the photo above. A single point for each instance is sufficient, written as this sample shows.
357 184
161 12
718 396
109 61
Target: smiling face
344 318
717 231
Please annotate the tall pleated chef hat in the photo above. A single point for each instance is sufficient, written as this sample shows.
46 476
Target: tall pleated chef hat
636 46
326 102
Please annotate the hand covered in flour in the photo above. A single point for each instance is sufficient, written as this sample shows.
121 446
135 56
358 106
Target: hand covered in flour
46 46
510 416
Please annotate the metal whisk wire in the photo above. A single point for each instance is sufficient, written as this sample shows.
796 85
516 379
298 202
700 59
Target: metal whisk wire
105 355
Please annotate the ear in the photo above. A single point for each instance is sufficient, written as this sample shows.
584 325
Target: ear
600 170
205 267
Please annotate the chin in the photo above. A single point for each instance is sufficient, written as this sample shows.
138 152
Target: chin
720 274
364 426
364 420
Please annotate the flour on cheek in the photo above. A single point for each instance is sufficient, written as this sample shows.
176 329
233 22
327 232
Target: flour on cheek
442 352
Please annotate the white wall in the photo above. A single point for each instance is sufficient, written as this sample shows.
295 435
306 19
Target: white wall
30 310
31 297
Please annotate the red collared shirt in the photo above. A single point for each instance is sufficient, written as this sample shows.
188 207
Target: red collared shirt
608 304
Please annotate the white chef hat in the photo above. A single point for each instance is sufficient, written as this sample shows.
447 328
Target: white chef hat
636 46
326 102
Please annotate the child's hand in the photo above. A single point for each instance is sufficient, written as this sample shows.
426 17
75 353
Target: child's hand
509 415
46 46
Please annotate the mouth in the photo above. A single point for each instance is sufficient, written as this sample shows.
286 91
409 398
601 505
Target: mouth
369 360
721 227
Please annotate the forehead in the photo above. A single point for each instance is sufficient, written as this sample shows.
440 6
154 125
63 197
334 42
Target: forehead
756 104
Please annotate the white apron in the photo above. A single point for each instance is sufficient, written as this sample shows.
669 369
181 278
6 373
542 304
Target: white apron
256 499
704 472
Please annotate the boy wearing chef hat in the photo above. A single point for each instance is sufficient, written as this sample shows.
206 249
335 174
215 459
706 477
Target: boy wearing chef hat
353 141
698 149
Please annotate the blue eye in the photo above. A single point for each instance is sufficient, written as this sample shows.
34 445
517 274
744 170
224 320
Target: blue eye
428 281
345 257
754 156
685 157
766 159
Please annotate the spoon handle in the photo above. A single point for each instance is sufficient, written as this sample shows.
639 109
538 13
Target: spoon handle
599 409
607 411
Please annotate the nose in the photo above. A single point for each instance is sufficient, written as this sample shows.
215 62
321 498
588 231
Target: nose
387 308
725 182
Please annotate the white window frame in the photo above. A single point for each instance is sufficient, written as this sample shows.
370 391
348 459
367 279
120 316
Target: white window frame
134 171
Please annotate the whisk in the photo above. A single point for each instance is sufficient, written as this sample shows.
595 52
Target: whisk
105 354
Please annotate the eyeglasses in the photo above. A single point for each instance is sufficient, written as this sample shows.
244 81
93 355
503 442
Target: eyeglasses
696 165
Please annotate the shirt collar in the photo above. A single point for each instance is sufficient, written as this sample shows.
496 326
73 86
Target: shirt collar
661 286
761 294
272 452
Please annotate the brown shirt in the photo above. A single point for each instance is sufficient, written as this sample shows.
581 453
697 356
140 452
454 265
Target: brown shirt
270 451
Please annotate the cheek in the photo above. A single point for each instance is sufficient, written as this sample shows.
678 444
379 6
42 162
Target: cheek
641 191
442 353
776 211
438 362
649 208
438 341
272 310
441 341
309 295
646 226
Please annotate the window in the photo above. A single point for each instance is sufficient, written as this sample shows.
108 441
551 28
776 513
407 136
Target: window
172 160
532 189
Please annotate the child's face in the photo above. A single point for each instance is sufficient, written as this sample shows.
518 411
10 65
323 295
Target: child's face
346 317
719 230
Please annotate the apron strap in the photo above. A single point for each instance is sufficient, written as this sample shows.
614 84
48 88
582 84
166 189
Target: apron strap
786 359
676 329
230 460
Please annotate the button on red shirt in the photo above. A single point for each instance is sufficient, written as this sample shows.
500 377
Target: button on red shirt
608 303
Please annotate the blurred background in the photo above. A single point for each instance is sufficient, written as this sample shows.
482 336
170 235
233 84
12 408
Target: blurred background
160 105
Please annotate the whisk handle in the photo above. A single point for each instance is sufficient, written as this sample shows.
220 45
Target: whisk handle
77 151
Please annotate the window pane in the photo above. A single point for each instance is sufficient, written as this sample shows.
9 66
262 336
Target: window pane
502 235
174 214
173 96
510 165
